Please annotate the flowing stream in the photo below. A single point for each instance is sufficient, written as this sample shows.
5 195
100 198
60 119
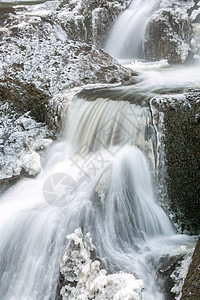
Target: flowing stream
99 178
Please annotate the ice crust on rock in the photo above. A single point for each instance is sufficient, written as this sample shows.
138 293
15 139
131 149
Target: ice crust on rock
85 278
172 32
31 163
36 50
20 138
169 35
180 273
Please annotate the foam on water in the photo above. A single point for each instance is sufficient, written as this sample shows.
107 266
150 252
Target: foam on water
158 75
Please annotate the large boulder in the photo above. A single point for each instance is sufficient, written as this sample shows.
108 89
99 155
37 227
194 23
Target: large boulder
168 36
180 118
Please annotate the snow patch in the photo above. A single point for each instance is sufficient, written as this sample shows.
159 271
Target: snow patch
31 163
86 280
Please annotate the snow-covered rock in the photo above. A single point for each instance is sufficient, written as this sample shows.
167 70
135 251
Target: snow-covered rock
169 35
86 280
38 60
89 20
37 48
21 137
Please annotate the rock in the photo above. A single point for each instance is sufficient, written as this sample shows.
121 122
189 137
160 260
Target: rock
20 137
37 61
168 36
36 49
22 130
191 287
181 127
24 98
89 21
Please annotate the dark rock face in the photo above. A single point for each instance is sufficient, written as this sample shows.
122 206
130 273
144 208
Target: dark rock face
168 36
24 98
182 144
191 287
169 266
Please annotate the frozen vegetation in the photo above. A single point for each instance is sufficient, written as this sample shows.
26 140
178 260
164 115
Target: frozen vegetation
87 280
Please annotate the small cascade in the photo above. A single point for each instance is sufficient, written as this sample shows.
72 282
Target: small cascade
110 123
112 198
126 38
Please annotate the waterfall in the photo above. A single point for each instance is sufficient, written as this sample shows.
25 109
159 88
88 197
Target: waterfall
126 38
94 179
111 123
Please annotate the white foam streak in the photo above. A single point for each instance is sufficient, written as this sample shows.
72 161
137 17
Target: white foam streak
157 75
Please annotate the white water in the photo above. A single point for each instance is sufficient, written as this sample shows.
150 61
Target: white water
114 201
160 75
126 38
110 123
125 42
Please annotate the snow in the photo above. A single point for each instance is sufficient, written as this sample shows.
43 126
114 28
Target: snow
31 163
21 137
85 278
37 50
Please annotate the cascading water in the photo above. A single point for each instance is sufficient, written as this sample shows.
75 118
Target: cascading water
113 200
126 38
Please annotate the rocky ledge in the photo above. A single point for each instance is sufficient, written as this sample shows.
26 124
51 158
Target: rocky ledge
38 60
